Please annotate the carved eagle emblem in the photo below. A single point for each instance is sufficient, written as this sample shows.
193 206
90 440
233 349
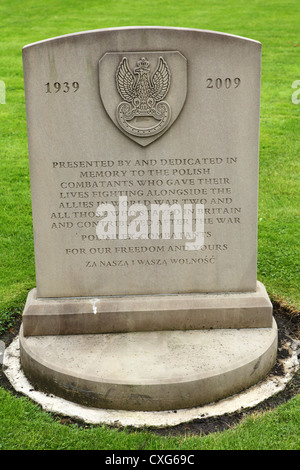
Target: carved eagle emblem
141 88
143 92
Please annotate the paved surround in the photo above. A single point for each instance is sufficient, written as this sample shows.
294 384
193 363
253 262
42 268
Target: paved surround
247 399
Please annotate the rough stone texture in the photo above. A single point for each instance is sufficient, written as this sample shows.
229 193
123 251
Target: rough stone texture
149 370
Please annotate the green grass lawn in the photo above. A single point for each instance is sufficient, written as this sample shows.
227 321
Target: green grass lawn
24 426
276 25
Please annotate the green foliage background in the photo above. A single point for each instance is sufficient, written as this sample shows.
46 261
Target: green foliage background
276 25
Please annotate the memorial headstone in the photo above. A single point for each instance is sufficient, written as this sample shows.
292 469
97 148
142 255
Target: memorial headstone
143 147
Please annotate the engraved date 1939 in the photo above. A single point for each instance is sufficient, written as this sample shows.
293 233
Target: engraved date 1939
64 87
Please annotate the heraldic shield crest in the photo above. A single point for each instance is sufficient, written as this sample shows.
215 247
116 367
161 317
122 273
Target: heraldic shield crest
143 92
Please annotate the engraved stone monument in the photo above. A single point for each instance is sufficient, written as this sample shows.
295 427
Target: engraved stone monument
143 147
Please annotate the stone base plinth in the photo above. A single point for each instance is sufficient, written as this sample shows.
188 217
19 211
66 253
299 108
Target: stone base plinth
93 315
147 371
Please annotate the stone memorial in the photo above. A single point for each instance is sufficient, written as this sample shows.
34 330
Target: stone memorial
143 148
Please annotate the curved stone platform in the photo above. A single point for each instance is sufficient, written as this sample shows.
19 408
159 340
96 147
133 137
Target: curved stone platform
147 371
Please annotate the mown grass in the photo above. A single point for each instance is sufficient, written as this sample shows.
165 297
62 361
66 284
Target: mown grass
25 427
276 25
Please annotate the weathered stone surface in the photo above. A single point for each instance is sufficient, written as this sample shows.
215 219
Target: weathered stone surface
125 126
149 370
81 156
146 313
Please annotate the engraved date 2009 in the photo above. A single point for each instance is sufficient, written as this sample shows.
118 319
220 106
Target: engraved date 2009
64 87
218 83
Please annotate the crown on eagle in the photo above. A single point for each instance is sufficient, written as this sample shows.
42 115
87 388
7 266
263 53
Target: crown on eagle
143 63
